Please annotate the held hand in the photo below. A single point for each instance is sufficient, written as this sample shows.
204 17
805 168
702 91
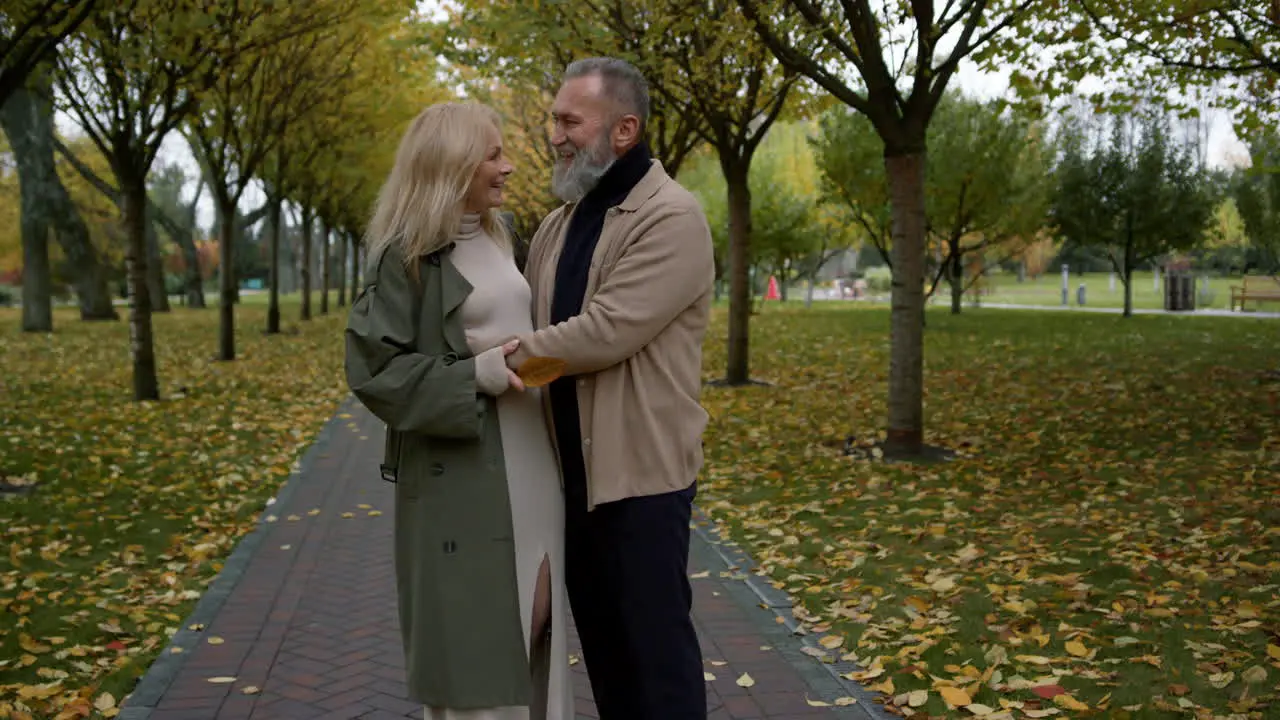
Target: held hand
513 380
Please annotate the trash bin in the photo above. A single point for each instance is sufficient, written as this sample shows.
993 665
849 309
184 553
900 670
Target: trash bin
1179 292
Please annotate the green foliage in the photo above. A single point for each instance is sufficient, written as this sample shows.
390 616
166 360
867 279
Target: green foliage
850 160
986 186
793 228
1257 195
1138 195
1169 52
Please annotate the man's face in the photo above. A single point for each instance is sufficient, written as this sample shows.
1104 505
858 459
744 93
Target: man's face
584 120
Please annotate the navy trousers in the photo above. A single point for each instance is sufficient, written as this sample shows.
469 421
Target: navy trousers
627 574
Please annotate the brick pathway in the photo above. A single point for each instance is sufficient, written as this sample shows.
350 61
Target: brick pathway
304 611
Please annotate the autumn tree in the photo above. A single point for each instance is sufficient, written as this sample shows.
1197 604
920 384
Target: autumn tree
48 210
892 64
1138 196
30 31
988 189
333 160
129 78
1171 50
794 233
273 51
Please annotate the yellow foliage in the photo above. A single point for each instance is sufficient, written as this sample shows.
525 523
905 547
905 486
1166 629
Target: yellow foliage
96 210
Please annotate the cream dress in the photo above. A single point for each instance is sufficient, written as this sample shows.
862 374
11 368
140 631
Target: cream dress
498 308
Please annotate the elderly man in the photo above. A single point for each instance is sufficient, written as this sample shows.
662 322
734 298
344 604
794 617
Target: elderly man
622 279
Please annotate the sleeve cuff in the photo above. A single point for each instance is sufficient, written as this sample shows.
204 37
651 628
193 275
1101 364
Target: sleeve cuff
491 372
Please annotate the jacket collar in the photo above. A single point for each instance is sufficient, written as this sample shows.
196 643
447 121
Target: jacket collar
646 188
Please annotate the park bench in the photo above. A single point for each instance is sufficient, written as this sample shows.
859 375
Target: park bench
1258 288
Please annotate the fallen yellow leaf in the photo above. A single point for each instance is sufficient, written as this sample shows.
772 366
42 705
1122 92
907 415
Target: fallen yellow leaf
955 697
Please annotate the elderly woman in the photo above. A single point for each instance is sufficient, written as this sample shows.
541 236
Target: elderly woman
479 511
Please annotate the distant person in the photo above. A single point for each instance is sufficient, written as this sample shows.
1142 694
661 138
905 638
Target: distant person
479 526
622 278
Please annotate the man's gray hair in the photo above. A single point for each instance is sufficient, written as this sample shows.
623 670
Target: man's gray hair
622 83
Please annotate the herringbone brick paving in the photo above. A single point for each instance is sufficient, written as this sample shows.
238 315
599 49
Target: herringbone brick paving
312 621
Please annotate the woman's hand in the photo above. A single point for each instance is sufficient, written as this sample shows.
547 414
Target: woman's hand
493 377
513 380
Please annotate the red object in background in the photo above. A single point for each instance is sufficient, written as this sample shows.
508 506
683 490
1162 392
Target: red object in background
772 292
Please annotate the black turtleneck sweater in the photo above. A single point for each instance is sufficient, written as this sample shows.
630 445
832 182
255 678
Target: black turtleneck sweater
580 240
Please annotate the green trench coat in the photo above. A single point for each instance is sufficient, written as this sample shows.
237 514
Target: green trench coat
454 545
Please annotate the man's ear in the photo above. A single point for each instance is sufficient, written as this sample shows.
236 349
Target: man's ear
626 132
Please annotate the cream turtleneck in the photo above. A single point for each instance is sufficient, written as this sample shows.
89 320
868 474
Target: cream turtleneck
469 228
497 307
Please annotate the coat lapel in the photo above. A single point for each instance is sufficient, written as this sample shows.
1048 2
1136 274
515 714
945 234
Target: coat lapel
454 289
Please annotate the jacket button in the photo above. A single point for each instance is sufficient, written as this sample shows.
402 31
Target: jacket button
587 442
437 469
450 358
450 547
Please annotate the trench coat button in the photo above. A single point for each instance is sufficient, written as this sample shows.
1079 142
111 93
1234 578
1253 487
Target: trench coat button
587 442
450 358
437 469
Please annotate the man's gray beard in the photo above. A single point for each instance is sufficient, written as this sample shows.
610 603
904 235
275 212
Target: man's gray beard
572 183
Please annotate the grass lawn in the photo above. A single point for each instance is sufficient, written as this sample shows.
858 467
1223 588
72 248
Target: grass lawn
1111 535
1114 528
137 504
1047 290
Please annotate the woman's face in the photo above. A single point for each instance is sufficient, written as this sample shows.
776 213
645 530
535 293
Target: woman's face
491 175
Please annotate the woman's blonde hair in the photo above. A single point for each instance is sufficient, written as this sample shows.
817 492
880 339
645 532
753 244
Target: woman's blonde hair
420 205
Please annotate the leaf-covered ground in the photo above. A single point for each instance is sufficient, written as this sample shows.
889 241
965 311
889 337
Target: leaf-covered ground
1111 536
1108 545
137 505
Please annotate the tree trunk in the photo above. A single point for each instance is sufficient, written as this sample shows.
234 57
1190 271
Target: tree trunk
324 267
155 270
306 265
227 280
27 119
21 118
955 276
740 294
808 292
355 266
906 338
273 290
1128 290
344 240
192 278
37 277
146 386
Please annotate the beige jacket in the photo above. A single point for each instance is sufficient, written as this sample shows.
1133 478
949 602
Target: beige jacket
636 347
